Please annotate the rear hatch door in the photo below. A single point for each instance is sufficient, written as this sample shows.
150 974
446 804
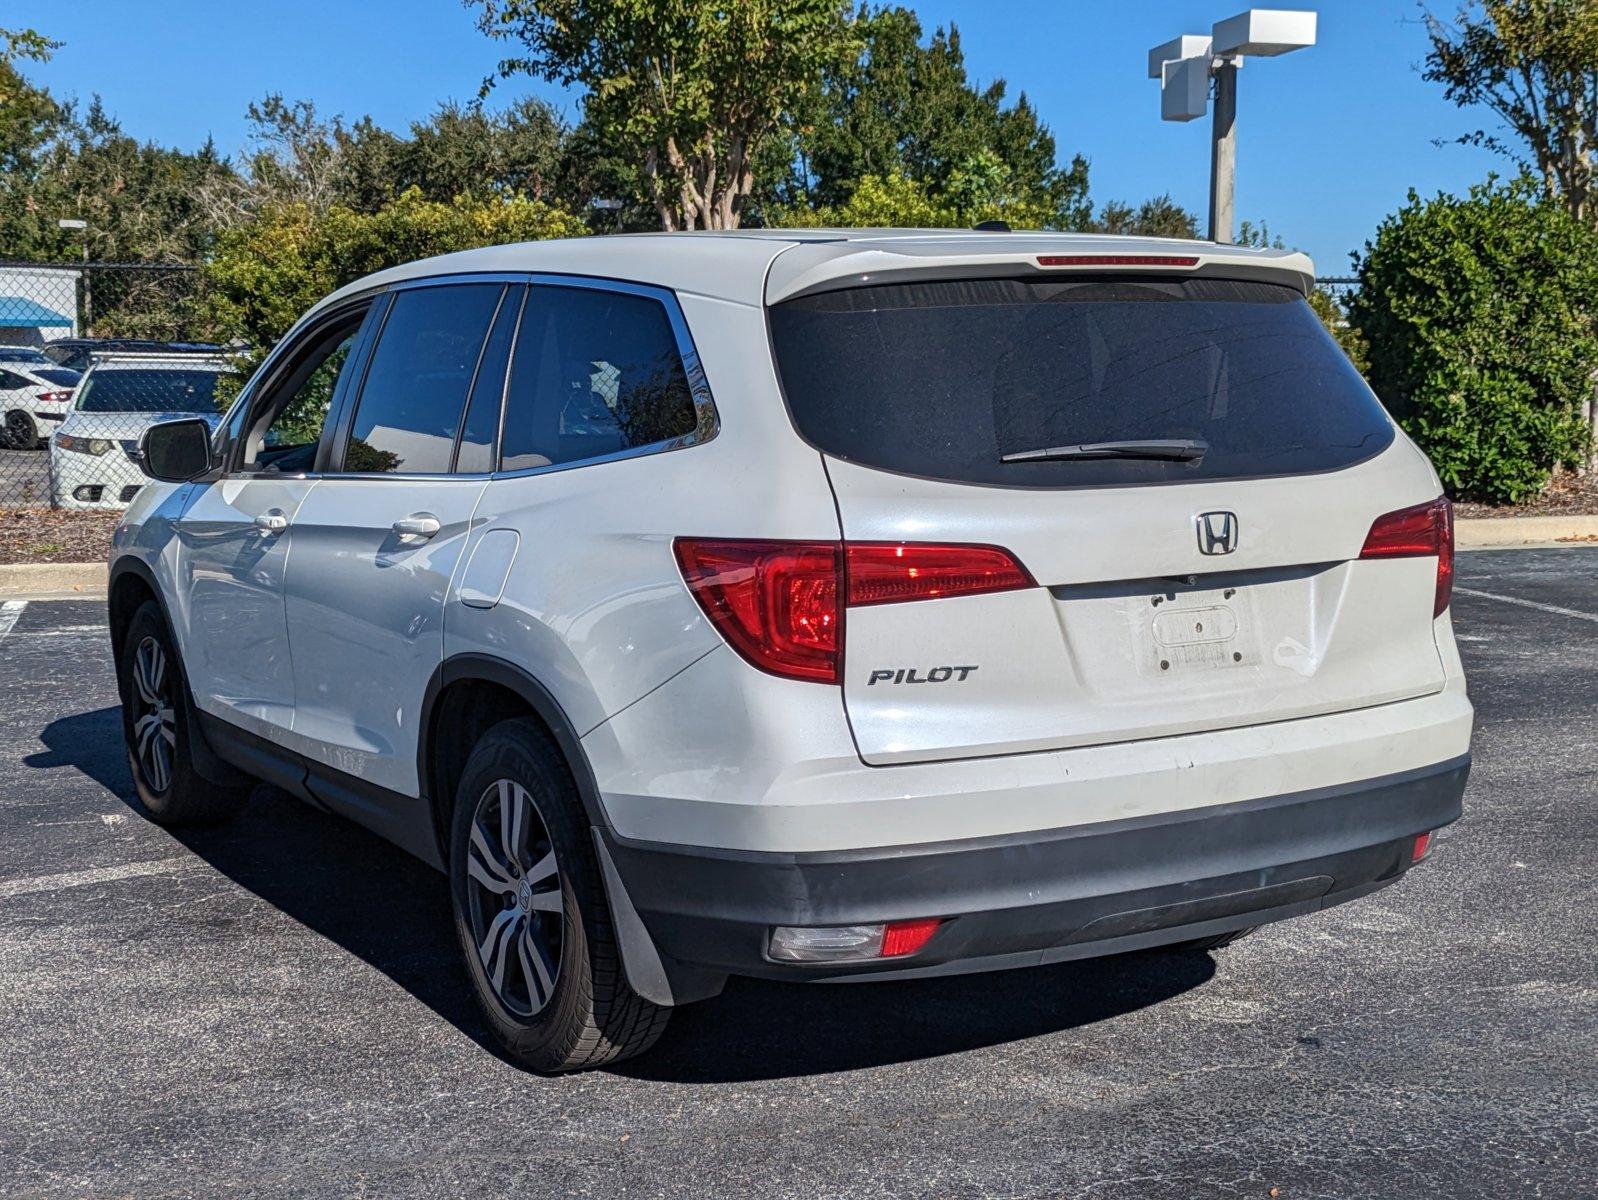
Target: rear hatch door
1219 588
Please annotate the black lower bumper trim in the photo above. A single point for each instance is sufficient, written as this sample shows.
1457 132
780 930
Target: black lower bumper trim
1042 897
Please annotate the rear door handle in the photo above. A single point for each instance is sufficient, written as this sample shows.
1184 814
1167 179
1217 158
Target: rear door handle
417 525
271 522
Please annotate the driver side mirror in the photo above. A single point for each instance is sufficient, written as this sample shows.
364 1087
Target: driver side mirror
176 451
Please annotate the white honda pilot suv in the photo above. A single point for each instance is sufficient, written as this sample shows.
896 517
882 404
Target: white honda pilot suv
811 605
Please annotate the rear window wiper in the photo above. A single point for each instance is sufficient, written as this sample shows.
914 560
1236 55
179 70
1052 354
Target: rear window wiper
1160 449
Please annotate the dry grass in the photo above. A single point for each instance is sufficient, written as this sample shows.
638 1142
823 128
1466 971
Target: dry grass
43 535
1566 496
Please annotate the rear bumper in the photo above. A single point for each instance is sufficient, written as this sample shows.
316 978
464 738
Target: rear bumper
1033 898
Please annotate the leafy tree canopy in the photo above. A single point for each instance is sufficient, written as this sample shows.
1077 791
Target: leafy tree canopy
688 89
1534 65
900 107
265 272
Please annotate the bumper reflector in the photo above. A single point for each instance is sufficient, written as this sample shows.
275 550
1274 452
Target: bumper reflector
1423 846
850 943
906 937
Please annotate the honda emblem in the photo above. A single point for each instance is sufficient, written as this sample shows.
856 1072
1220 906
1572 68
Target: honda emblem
1217 532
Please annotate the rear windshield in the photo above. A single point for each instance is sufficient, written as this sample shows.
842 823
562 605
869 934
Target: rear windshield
60 376
149 391
944 379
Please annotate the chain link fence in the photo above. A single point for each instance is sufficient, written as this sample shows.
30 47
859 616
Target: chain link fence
58 319
1341 287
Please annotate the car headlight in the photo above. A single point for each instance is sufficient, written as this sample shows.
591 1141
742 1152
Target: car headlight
83 445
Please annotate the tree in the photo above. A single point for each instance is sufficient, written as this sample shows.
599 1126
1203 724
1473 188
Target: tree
265 272
898 108
297 156
142 202
1478 313
689 89
1534 64
1159 217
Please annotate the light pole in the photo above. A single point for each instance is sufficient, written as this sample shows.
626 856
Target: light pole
88 299
1185 67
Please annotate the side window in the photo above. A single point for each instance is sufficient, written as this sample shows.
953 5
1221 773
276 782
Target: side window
421 372
301 419
595 372
10 380
286 424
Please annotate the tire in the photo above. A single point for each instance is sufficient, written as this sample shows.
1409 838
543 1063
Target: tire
551 983
21 431
154 725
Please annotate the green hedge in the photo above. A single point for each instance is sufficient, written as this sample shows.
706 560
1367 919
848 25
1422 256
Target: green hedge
1477 315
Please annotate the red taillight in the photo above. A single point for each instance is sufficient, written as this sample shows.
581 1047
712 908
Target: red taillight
1117 260
53 397
1419 532
887 572
906 937
776 603
780 604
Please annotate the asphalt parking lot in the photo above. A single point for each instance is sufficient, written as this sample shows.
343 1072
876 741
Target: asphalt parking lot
274 1008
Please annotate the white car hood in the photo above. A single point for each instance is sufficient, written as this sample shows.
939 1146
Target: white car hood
124 426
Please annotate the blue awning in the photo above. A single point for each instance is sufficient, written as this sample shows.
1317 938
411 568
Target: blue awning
18 312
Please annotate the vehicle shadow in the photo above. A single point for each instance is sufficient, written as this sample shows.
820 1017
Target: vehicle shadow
334 878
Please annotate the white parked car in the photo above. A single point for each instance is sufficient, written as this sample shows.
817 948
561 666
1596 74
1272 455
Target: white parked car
34 395
94 455
815 605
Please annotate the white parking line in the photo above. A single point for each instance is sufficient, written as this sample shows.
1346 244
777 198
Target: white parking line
51 883
9 612
1548 608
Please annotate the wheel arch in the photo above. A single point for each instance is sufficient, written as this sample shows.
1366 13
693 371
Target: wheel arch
130 585
477 691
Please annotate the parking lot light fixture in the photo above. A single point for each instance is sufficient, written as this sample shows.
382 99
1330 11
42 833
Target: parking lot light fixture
1186 67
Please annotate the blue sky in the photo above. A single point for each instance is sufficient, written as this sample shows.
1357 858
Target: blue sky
1330 139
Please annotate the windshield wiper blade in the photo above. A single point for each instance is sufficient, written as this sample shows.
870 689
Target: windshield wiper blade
1159 449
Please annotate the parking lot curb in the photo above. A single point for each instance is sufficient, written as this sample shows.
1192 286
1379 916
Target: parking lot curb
40 580
1484 532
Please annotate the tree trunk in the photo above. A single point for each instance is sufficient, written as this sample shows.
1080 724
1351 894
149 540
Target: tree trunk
1589 414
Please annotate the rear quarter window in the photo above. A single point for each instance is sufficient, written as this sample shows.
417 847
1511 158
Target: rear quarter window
944 379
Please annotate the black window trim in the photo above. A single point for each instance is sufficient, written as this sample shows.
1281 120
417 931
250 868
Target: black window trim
340 417
351 399
229 446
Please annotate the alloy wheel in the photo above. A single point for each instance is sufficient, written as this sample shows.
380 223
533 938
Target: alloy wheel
20 434
514 898
155 732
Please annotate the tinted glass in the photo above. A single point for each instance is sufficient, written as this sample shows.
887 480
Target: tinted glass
59 376
481 428
10 380
944 379
301 420
176 390
289 442
22 354
415 391
596 372
76 357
